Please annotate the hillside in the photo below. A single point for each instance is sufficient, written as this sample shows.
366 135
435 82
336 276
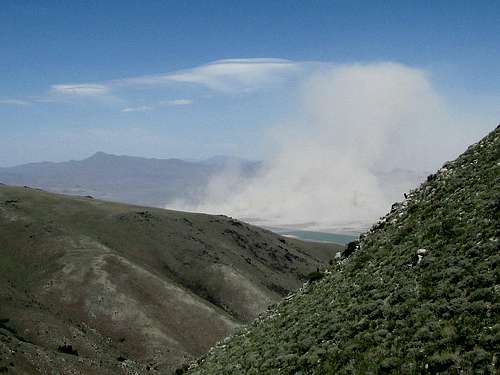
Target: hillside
420 294
131 289
128 179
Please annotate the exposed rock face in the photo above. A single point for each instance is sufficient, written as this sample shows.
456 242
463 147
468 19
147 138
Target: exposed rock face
420 254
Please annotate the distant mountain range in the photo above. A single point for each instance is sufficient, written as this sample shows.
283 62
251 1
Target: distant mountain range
134 180
156 182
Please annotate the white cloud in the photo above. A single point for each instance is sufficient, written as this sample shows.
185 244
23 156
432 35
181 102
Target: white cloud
231 75
163 103
83 89
14 102
223 75
142 108
176 102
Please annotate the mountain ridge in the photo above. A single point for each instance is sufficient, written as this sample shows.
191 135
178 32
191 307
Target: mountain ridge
122 178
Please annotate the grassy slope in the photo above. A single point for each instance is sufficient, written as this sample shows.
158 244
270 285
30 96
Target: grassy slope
154 286
381 310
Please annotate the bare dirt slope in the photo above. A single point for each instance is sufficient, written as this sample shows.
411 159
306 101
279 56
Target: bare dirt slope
131 289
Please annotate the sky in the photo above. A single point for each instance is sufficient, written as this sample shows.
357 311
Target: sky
193 79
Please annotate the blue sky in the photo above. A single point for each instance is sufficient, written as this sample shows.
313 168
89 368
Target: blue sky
194 78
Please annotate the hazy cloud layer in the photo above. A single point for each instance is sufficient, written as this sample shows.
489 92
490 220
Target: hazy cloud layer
176 102
142 108
83 89
15 102
358 122
162 103
222 75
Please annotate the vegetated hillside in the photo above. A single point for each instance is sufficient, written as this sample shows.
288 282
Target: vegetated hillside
128 179
420 294
94 287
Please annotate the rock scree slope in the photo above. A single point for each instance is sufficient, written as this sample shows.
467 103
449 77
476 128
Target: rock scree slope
93 287
419 293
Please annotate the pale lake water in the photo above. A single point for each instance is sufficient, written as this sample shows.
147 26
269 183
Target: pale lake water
306 235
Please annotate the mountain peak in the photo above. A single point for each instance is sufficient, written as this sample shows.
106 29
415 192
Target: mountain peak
100 155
